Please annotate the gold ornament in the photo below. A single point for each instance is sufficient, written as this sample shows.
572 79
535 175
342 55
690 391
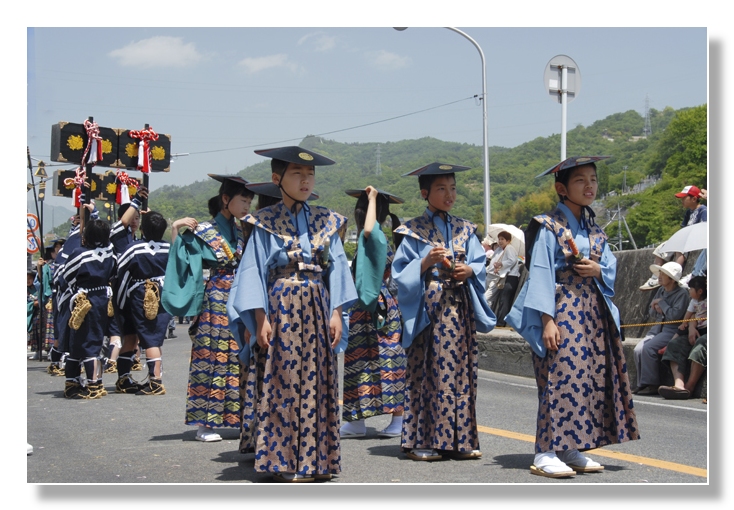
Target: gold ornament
131 150
112 188
106 146
151 300
158 153
75 142
445 167
227 250
305 156
80 310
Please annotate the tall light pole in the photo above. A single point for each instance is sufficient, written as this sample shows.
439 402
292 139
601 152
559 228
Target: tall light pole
487 212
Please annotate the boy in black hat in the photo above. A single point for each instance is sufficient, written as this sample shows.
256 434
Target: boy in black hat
291 287
440 271
564 311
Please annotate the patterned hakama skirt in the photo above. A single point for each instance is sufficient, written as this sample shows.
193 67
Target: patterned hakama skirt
584 397
292 420
213 389
374 363
441 374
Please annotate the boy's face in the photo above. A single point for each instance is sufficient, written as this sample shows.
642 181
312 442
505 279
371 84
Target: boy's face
297 181
30 280
135 222
581 187
442 194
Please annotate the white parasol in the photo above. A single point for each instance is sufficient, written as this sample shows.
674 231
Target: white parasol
518 236
691 238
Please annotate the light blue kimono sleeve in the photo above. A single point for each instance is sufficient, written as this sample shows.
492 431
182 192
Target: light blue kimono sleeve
371 260
342 291
475 258
605 283
537 296
183 292
406 271
262 252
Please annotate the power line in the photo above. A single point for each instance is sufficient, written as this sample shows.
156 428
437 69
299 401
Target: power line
340 130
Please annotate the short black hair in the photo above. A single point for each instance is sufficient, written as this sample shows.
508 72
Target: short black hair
231 189
278 166
96 234
563 176
425 181
698 283
153 225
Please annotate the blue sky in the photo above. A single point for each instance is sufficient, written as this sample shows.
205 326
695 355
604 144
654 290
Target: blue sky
221 93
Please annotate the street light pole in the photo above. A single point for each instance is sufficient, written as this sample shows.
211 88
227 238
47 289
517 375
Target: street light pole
487 212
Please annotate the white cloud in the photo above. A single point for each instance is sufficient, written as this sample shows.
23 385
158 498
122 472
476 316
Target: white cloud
318 41
387 61
160 51
256 64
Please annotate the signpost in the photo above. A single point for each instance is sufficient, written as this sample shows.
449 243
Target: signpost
562 80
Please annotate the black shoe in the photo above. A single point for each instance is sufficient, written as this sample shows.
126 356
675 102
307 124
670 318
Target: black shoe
152 387
75 390
97 390
125 384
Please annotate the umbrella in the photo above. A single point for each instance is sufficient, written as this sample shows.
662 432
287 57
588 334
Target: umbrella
691 238
518 236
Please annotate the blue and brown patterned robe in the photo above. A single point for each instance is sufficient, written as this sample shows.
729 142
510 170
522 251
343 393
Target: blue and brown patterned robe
292 423
441 317
584 397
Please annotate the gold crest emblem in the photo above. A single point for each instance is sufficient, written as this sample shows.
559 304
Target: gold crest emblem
131 150
445 167
158 153
75 142
112 188
106 146
582 160
305 156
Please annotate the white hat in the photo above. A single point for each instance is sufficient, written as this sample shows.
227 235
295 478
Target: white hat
672 269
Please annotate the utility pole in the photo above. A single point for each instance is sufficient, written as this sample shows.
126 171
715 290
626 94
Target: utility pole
647 131
378 167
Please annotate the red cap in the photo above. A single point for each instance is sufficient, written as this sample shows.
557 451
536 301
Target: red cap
689 190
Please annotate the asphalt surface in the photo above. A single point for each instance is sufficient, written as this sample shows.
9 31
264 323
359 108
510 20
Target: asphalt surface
130 439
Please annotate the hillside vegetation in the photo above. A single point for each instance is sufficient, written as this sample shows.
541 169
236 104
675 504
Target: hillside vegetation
675 155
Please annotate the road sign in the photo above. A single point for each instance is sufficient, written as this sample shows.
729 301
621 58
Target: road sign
553 78
33 242
32 221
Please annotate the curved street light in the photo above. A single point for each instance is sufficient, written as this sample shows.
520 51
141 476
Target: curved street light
487 212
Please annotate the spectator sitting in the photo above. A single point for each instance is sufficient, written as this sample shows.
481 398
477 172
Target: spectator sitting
688 344
669 304
696 212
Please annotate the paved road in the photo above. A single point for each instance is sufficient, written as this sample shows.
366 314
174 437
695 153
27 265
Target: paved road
142 440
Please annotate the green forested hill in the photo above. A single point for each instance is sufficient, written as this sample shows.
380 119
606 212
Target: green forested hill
675 152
